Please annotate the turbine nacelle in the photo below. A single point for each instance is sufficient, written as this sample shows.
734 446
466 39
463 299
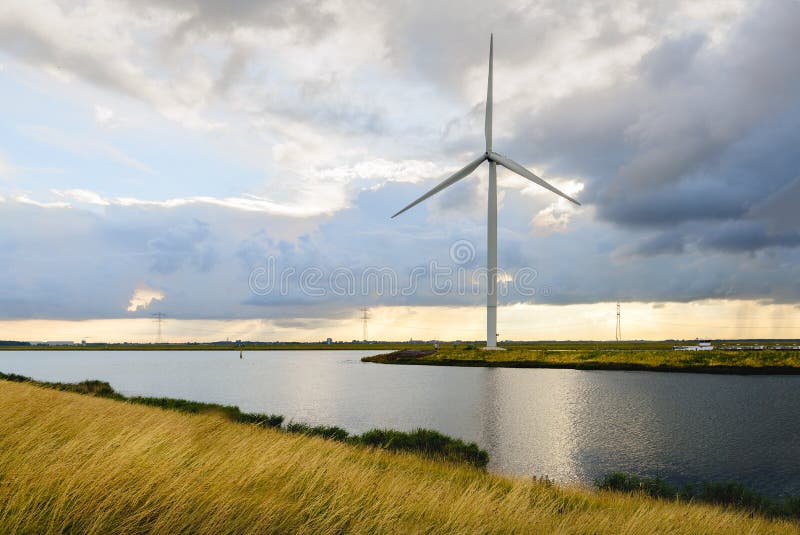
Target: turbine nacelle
493 157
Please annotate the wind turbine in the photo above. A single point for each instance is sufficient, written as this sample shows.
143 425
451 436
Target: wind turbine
493 158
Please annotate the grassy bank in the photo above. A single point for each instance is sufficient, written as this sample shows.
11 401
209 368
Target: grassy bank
601 358
420 441
86 464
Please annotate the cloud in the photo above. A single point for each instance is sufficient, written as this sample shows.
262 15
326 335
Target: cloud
381 169
85 147
661 243
287 129
82 196
107 118
671 60
24 199
308 19
701 129
779 210
250 203
184 245
747 236
143 297
93 43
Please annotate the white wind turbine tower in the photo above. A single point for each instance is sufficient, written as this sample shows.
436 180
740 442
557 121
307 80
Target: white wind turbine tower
491 249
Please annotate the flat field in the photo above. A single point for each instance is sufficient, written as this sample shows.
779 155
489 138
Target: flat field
649 356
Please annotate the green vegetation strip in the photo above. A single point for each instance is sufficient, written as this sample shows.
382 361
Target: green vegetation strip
598 357
421 441
727 493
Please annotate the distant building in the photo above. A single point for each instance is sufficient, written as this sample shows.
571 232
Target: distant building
705 345
55 343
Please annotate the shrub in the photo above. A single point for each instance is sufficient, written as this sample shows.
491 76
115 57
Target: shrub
655 487
726 493
14 377
330 432
262 420
734 494
92 388
427 442
183 405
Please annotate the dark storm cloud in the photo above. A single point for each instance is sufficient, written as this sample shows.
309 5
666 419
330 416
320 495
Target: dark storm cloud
187 244
738 236
780 210
669 205
661 243
704 133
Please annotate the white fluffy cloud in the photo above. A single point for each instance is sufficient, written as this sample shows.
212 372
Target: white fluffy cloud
143 297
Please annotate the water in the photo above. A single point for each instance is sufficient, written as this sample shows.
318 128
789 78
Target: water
570 425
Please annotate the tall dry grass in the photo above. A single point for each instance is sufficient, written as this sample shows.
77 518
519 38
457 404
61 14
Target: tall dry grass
78 464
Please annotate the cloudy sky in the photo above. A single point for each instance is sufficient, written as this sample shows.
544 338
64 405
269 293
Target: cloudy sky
234 165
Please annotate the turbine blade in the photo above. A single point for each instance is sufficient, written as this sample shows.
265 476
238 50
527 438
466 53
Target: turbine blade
488 126
511 165
449 181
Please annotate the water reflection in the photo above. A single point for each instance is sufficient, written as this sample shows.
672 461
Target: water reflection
571 425
531 413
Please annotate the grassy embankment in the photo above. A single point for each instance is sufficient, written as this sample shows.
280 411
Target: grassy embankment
602 357
85 464
424 442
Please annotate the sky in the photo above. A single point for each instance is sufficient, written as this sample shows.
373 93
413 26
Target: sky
235 166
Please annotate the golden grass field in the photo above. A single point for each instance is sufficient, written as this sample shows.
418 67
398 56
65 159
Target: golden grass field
81 464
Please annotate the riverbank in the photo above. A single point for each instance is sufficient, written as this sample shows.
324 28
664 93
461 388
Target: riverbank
634 359
77 463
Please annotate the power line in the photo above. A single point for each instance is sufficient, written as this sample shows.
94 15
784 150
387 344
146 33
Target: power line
159 318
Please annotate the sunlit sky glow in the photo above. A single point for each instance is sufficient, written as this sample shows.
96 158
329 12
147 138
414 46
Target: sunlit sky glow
154 155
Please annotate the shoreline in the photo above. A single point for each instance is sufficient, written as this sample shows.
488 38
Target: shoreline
713 370
687 363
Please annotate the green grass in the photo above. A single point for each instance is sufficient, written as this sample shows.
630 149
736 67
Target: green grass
597 356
